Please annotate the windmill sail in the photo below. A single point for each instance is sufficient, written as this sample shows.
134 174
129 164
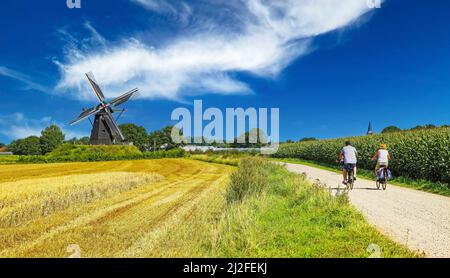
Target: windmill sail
86 114
125 97
98 92
113 125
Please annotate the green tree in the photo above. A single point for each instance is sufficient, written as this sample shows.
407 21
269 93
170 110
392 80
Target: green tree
80 141
260 135
2 145
391 129
83 141
136 135
162 138
306 139
428 126
28 146
51 138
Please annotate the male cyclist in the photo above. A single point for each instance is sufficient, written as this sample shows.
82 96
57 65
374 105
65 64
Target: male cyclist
382 157
348 156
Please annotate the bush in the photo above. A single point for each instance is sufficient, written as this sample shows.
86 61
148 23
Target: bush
173 153
27 146
391 129
420 154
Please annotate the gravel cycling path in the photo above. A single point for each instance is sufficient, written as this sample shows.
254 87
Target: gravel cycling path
417 219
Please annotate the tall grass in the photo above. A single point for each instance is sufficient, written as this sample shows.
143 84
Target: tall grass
252 178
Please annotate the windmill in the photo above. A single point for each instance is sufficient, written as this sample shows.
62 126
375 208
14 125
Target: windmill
105 130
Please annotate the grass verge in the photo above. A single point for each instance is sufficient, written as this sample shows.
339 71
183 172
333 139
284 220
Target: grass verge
8 159
281 214
423 185
232 160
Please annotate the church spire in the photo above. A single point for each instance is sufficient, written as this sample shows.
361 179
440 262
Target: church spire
370 130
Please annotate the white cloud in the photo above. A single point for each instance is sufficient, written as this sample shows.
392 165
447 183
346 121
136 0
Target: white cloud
270 36
17 126
29 85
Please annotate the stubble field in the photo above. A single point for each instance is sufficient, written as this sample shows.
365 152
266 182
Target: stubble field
109 209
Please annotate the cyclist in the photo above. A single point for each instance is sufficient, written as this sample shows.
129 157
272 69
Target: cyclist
348 155
382 157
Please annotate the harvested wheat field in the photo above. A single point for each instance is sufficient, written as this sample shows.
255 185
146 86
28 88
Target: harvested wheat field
156 208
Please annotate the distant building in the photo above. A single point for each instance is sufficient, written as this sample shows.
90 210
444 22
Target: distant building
370 129
193 148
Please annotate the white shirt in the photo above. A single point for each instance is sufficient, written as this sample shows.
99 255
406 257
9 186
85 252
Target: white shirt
349 153
383 156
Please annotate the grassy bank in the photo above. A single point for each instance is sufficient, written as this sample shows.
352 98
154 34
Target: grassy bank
271 212
423 185
9 159
83 153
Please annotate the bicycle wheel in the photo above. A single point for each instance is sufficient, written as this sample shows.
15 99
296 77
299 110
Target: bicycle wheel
384 184
351 180
385 179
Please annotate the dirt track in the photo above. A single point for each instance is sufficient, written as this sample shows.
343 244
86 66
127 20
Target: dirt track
414 218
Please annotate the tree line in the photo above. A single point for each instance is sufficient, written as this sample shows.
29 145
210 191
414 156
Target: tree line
388 129
52 137
394 128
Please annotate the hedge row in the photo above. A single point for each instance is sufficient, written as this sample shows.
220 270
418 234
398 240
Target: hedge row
74 153
423 154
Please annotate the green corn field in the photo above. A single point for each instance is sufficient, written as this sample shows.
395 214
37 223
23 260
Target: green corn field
421 154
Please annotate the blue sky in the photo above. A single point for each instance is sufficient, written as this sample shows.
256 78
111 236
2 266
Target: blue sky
330 66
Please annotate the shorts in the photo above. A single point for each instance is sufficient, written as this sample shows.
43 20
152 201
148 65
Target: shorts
381 164
349 166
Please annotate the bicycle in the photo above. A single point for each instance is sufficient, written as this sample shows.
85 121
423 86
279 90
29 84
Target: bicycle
350 177
382 182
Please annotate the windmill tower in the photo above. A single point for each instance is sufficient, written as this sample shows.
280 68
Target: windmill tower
105 130
370 129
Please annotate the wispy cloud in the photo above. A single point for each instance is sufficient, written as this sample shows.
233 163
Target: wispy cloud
264 38
178 10
24 79
157 5
97 38
17 126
